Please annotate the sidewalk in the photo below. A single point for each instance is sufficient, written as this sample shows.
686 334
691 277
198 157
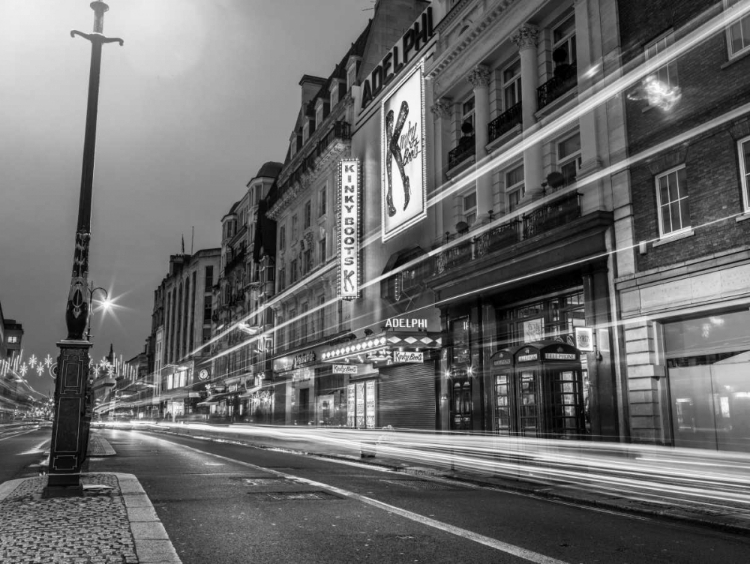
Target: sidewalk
732 517
113 523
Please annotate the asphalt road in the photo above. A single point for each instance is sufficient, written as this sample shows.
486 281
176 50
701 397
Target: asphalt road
222 503
21 451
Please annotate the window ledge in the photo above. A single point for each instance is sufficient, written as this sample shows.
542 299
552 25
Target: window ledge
736 59
676 237
743 217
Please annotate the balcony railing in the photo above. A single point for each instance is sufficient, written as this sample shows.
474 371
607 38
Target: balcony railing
340 130
237 259
553 214
563 81
463 151
506 121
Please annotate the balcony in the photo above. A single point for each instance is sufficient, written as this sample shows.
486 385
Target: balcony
237 259
554 214
465 149
551 215
565 79
503 123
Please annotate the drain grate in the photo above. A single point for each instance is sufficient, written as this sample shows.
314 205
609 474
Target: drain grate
294 496
423 485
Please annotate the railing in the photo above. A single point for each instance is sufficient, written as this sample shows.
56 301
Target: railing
549 216
554 214
462 152
238 258
504 122
563 81
340 130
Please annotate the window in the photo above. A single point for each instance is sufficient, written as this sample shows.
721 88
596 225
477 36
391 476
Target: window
307 261
319 115
308 214
293 268
207 309
321 315
738 34
209 277
282 238
282 279
206 335
12 339
470 207
672 195
303 322
569 158
514 187
322 250
292 327
334 92
322 201
744 148
294 228
564 37
512 84
667 75
306 132
467 112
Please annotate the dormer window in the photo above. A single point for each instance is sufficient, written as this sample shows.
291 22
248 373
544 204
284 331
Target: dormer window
334 92
320 113
293 145
305 132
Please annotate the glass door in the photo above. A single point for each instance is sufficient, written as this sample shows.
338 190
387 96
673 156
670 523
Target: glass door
528 396
503 415
461 406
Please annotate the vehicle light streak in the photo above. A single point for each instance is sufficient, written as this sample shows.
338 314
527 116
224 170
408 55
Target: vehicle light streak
707 480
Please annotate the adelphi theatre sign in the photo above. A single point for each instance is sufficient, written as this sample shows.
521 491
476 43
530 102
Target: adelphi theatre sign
349 219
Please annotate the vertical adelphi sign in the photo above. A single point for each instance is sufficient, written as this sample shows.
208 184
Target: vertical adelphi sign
349 207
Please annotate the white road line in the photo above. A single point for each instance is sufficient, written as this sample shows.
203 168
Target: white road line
19 434
35 450
512 549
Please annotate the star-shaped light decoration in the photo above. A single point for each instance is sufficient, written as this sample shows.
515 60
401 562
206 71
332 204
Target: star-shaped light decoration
110 370
32 361
48 361
40 369
24 369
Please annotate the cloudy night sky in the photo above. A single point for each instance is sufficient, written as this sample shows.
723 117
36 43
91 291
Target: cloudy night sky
200 96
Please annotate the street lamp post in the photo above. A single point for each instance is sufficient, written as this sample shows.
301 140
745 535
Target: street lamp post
70 426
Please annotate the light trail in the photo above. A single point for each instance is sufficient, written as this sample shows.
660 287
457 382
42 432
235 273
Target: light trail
695 478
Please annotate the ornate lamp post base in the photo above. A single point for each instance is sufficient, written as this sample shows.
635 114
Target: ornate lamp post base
70 430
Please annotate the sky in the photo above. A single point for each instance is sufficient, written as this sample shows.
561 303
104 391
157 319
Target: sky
202 93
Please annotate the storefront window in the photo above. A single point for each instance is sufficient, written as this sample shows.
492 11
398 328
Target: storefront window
554 318
708 362
461 351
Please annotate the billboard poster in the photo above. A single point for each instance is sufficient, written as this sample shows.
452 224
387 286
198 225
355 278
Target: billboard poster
360 405
371 404
403 189
350 405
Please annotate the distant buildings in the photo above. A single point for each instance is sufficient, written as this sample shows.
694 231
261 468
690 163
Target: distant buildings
11 339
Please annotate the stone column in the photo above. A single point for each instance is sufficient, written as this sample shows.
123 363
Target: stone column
526 40
441 112
480 81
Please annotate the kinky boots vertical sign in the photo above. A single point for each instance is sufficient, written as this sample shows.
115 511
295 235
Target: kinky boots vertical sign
349 220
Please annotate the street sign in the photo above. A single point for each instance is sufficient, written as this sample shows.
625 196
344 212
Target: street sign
408 357
344 368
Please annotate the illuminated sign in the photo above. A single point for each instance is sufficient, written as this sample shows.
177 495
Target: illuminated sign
344 368
559 356
403 164
398 57
527 357
585 339
411 357
501 362
395 322
349 207
303 359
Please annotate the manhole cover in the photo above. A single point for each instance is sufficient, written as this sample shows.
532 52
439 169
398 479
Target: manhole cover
420 485
294 496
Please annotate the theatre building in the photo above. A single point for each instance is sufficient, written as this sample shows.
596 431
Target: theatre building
486 246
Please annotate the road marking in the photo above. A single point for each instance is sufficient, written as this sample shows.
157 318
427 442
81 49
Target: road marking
35 450
512 549
19 434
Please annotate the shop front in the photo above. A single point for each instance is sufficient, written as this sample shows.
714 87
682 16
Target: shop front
389 378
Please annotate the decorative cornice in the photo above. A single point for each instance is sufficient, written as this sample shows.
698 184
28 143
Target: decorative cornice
468 38
526 37
442 109
480 77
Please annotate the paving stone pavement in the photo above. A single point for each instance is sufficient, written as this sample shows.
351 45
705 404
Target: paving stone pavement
113 523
